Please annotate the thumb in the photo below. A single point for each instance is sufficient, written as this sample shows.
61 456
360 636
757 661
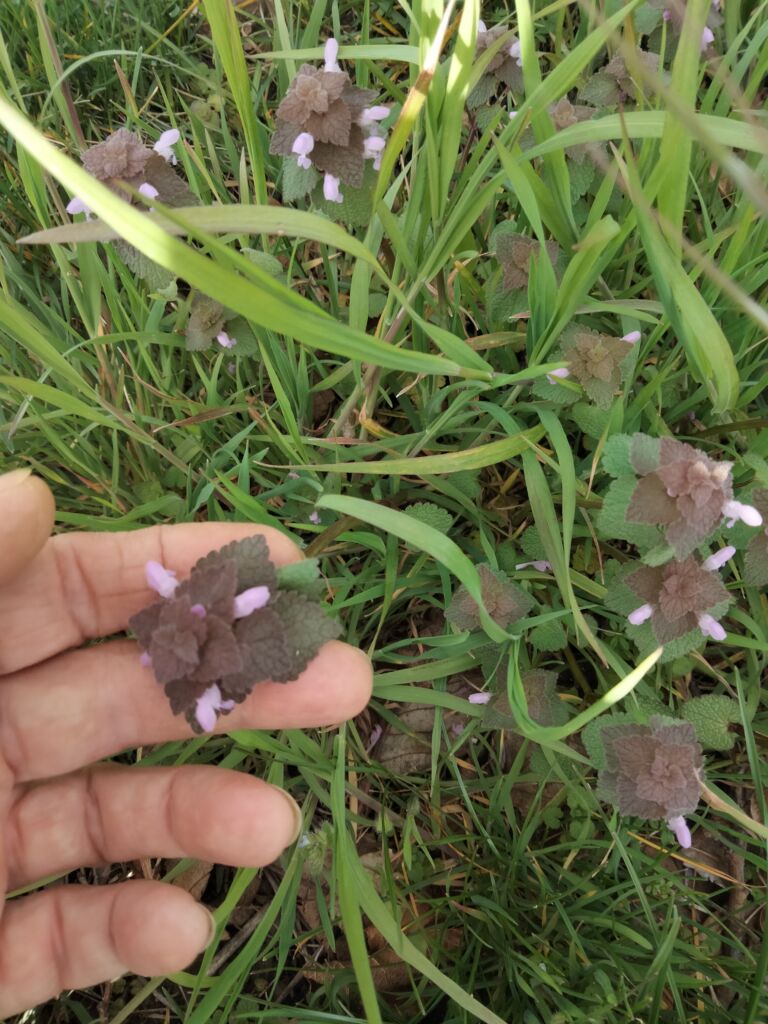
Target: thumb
26 520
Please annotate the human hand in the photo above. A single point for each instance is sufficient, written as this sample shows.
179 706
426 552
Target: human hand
61 709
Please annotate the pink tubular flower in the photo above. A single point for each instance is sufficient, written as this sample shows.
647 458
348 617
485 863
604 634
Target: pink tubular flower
161 579
666 15
303 145
560 374
707 37
250 600
640 615
632 338
515 54
208 705
314 517
198 610
163 145
718 560
144 660
225 341
709 626
679 826
331 189
733 510
539 565
373 114
148 190
76 205
330 54
479 698
373 147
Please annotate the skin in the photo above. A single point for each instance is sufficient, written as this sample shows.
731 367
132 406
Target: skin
63 708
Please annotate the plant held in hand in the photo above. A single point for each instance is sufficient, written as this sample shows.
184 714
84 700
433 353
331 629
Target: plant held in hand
236 621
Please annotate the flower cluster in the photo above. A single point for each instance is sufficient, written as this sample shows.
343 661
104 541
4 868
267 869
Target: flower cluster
326 122
123 159
597 361
653 771
680 597
506 65
686 493
514 253
233 623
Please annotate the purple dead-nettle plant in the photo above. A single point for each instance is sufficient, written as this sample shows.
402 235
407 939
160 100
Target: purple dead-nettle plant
234 622
326 122
680 597
514 253
599 362
653 771
506 65
686 493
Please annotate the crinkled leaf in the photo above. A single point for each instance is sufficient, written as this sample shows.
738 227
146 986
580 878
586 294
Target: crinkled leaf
307 627
600 90
221 654
303 577
431 515
549 636
206 320
297 182
120 155
483 92
710 716
251 555
264 261
756 560
612 519
265 652
173 190
505 601
356 207
155 276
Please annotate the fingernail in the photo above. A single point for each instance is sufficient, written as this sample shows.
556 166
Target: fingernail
212 926
297 815
14 478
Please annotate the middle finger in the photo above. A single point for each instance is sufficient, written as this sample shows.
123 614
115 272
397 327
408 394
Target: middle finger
111 814
88 704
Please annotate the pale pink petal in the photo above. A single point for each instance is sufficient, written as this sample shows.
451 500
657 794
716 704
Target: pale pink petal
199 610
718 560
206 707
331 189
303 143
640 615
144 660
707 37
225 341
250 600
479 698
76 205
481 26
709 626
161 579
331 53
733 510
679 826
314 517
632 338
539 565
373 114
560 374
515 53
163 145
148 190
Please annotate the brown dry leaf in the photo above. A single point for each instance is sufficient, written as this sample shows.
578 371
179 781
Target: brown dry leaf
194 878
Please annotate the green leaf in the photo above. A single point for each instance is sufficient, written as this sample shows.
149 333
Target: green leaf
206 320
430 514
710 716
549 636
307 627
505 602
297 182
155 276
303 577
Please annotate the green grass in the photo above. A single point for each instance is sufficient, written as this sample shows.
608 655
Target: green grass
384 369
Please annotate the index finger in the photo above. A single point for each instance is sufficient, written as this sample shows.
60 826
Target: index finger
82 586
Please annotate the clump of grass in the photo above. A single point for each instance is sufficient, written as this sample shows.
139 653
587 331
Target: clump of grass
455 868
